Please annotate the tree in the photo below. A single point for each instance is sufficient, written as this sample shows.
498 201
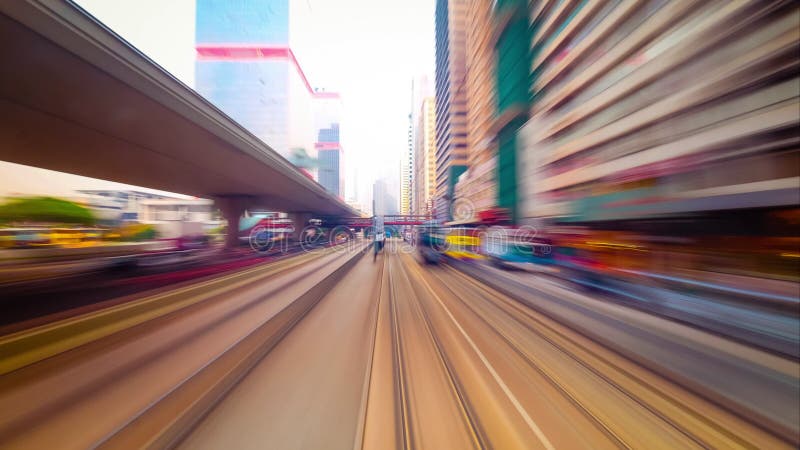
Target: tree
45 209
300 158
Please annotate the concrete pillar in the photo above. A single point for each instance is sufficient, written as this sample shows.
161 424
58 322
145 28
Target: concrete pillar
232 208
300 221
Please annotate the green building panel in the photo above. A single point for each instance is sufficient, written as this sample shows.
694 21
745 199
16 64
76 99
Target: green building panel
513 82
507 170
513 65
452 178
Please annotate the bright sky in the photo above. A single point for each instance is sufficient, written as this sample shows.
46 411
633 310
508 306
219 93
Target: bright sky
368 50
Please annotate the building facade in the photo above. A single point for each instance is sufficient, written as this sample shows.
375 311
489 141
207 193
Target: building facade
421 90
407 172
331 160
425 157
330 155
670 120
478 185
383 202
247 65
173 210
513 37
451 104
661 142
115 205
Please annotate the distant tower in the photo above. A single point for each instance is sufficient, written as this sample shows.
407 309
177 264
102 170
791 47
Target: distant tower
407 172
423 120
331 161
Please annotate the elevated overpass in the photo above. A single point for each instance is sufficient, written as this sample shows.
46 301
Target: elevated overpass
76 98
366 222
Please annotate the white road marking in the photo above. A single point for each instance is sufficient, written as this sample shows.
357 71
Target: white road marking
525 416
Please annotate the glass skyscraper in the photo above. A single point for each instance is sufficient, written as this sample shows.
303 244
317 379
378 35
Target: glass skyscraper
246 66
331 170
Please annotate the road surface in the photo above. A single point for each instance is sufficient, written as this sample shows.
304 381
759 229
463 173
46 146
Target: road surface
332 350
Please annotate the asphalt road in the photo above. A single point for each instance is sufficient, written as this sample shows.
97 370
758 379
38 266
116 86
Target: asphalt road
332 350
456 364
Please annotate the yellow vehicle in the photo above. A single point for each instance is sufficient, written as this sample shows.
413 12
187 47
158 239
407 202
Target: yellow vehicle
75 237
463 243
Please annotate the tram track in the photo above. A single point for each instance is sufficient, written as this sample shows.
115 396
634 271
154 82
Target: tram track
503 362
475 353
675 408
425 382
679 357
374 315
497 329
403 421
536 327
333 350
443 361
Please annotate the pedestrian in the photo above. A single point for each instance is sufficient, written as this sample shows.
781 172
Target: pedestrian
380 236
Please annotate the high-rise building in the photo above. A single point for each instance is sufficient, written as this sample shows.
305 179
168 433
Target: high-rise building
479 183
247 66
513 77
383 202
331 161
451 104
421 88
330 157
407 172
635 156
425 157
423 136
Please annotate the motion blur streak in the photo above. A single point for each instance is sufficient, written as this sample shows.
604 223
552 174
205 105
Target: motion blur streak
446 351
598 245
409 358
